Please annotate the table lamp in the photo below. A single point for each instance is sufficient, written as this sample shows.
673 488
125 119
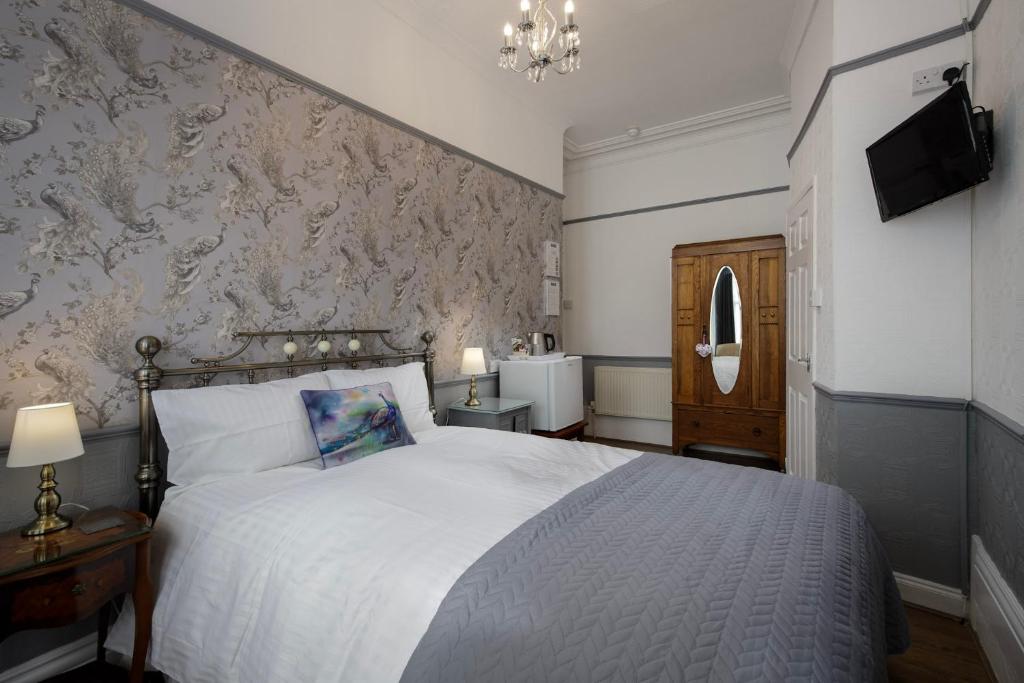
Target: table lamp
42 436
473 364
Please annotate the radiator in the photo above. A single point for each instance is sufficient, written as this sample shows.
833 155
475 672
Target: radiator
633 392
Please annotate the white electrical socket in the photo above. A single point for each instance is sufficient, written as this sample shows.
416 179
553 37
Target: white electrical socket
931 78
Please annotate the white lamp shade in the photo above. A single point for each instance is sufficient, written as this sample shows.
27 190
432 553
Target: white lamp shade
45 434
473 362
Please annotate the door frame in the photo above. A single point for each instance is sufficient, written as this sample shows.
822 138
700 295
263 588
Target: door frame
808 469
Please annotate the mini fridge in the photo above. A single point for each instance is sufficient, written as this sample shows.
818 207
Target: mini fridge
555 386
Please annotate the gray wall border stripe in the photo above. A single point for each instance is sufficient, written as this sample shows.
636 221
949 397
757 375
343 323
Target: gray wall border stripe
678 205
1010 426
979 13
880 56
226 45
459 381
126 430
91 435
936 402
1013 428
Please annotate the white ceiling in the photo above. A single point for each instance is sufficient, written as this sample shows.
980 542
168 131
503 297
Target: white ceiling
645 62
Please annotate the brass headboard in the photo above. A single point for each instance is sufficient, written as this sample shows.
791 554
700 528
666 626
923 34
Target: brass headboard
148 377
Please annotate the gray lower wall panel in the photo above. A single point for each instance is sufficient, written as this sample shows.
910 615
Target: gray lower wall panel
997 491
826 439
904 460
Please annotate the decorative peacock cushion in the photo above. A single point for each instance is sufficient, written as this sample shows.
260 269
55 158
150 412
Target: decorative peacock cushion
350 424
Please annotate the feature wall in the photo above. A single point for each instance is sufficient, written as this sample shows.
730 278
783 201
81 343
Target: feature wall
154 184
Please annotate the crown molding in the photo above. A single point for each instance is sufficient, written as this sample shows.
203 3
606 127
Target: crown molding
752 110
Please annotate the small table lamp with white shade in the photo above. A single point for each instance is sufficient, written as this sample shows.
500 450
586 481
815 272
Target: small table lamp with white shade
473 364
42 436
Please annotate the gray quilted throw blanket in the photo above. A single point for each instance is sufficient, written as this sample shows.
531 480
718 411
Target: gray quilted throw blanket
674 569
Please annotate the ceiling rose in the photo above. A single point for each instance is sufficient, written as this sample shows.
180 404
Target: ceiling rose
537 32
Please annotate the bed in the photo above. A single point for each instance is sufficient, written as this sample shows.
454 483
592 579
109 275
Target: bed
485 555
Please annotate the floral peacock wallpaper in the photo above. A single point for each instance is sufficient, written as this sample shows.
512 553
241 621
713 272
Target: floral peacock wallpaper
152 184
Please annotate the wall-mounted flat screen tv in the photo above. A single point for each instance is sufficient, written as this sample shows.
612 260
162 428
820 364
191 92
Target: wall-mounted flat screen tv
935 153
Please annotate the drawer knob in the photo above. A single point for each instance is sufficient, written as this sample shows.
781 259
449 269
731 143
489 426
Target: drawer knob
757 431
696 423
78 589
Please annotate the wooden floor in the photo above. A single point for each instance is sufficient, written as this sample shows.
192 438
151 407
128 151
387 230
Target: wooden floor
616 443
941 649
763 462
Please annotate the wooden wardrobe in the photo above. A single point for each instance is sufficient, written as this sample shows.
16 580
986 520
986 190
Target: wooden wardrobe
731 295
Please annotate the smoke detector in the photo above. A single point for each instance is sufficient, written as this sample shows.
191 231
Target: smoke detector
633 131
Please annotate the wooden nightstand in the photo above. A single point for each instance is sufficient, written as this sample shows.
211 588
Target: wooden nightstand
66 576
505 414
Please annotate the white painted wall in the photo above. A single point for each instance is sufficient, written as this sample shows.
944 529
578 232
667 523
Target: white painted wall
811 40
999 215
811 167
866 26
365 52
896 297
617 271
724 160
811 47
902 289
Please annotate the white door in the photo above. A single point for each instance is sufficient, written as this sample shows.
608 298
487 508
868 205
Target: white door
800 337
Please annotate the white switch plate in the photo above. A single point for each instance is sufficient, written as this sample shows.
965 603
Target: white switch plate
931 78
816 298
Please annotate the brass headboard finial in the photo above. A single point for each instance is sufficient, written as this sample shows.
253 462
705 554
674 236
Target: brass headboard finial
428 366
148 474
148 347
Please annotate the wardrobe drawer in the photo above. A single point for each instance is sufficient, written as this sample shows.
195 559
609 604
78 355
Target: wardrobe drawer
758 432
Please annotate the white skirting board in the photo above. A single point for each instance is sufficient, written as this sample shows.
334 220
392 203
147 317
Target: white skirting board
997 616
56 661
931 595
629 429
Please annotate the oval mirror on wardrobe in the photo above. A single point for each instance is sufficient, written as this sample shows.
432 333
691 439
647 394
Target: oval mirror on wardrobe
726 326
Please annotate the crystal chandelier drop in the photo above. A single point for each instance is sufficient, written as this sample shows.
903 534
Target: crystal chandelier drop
537 31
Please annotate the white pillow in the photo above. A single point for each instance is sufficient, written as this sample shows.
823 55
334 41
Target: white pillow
408 382
214 432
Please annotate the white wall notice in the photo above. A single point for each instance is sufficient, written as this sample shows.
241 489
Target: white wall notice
552 296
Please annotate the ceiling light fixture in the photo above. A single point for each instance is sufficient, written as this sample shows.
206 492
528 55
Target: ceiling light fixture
537 32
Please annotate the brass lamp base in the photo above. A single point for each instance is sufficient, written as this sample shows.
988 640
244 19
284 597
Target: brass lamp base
47 503
472 401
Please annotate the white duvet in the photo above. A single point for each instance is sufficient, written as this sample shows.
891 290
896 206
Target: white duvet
303 574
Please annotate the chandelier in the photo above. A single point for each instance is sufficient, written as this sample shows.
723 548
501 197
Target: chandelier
538 33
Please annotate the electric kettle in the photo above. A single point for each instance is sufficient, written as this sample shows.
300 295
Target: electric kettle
541 343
